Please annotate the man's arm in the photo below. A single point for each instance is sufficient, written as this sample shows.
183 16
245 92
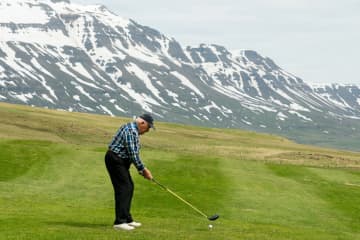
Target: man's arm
133 148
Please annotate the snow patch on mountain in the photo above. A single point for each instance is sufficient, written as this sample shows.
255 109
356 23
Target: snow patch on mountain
186 82
144 76
18 12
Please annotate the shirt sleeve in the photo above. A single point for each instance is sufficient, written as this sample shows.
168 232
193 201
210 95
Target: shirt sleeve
133 148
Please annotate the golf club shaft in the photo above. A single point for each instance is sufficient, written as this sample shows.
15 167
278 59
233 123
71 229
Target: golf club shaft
180 198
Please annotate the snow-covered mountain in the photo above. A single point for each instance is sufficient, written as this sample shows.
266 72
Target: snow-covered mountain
62 55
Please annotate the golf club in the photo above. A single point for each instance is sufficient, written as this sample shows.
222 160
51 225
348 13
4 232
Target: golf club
211 218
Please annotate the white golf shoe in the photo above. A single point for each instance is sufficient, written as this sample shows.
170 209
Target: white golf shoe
123 226
134 224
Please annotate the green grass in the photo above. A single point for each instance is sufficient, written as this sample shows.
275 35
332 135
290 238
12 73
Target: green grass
54 185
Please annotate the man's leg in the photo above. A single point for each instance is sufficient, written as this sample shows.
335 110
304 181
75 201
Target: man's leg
128 203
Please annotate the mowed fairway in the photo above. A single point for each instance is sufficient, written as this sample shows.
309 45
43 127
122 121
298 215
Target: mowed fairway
54 185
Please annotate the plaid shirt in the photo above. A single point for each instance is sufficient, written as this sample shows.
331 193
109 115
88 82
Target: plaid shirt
126 144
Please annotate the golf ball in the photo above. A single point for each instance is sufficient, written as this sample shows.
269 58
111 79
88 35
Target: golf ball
210 226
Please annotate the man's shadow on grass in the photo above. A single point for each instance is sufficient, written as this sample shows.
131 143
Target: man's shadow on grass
79 224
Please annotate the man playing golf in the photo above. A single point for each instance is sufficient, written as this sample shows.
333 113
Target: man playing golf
123 151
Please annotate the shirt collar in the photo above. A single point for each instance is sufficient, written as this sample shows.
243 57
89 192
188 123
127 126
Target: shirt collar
135 126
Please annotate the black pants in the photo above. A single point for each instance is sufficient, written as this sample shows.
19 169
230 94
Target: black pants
118 169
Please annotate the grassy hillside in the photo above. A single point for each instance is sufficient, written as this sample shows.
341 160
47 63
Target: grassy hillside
53 182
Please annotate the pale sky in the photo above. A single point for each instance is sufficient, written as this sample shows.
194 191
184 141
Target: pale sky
316 40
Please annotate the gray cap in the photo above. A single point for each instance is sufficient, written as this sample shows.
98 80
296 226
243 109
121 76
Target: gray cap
149 119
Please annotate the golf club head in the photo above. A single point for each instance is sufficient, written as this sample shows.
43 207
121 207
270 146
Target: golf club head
214 217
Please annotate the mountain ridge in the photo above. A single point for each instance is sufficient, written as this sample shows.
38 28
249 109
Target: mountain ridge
88 59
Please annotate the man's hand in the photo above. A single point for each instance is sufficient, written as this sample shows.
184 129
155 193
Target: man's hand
147 174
